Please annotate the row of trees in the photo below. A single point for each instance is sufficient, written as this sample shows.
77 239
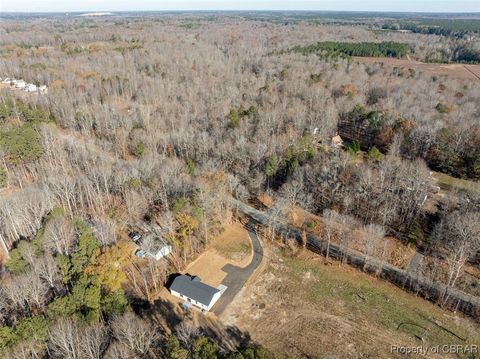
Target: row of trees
127 336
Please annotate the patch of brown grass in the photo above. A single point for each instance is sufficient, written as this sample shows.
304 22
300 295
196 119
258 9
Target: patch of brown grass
234 244
302 306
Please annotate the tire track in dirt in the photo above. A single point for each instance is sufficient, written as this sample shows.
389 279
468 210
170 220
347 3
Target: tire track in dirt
473 73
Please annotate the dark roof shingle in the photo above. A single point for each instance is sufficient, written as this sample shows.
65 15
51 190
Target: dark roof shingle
193 289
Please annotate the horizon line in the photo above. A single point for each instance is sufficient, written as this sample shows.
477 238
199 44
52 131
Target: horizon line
242 10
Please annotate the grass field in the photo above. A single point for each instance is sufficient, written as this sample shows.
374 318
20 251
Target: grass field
383 303
448 183
318 310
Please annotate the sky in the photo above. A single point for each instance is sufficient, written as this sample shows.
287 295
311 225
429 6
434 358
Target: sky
327 5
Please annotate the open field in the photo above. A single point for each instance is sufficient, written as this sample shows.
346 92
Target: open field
447 183
456 71
299 304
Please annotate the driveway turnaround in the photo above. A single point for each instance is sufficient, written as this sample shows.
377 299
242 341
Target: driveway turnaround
237 276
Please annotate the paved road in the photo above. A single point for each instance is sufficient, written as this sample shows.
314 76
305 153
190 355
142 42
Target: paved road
237 276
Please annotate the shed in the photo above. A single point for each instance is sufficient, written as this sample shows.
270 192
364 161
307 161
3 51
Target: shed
155 246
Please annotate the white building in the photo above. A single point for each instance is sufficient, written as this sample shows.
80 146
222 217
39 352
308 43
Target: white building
192 290
31 88
19 84
150 245
161 252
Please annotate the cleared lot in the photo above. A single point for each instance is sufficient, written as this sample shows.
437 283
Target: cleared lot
226 260
299 304
232 247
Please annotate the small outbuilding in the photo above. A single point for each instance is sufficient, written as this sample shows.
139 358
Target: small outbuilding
154 246
150 245
192 290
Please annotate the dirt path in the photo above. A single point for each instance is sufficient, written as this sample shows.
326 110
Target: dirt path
473 73
237 276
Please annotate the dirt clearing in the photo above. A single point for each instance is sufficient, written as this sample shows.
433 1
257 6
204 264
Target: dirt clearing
302 306
457 71
231 247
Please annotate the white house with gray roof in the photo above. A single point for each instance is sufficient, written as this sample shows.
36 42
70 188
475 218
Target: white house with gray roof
192 290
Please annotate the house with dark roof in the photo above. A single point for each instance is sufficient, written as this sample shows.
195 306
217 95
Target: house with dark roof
192 290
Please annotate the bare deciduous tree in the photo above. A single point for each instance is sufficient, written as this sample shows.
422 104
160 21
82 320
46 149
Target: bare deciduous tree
59 235
64 340
459 235
186 333
331 220
135 333
373 235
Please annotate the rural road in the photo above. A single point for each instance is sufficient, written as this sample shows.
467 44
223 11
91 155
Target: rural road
237 276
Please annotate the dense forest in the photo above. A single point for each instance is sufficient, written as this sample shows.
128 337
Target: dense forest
162 119
445 27
381 49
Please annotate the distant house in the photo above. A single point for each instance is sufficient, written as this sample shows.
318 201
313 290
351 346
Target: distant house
19 84
195 292
31 88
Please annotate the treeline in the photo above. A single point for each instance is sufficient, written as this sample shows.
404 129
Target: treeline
363 49
444 27
466 54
